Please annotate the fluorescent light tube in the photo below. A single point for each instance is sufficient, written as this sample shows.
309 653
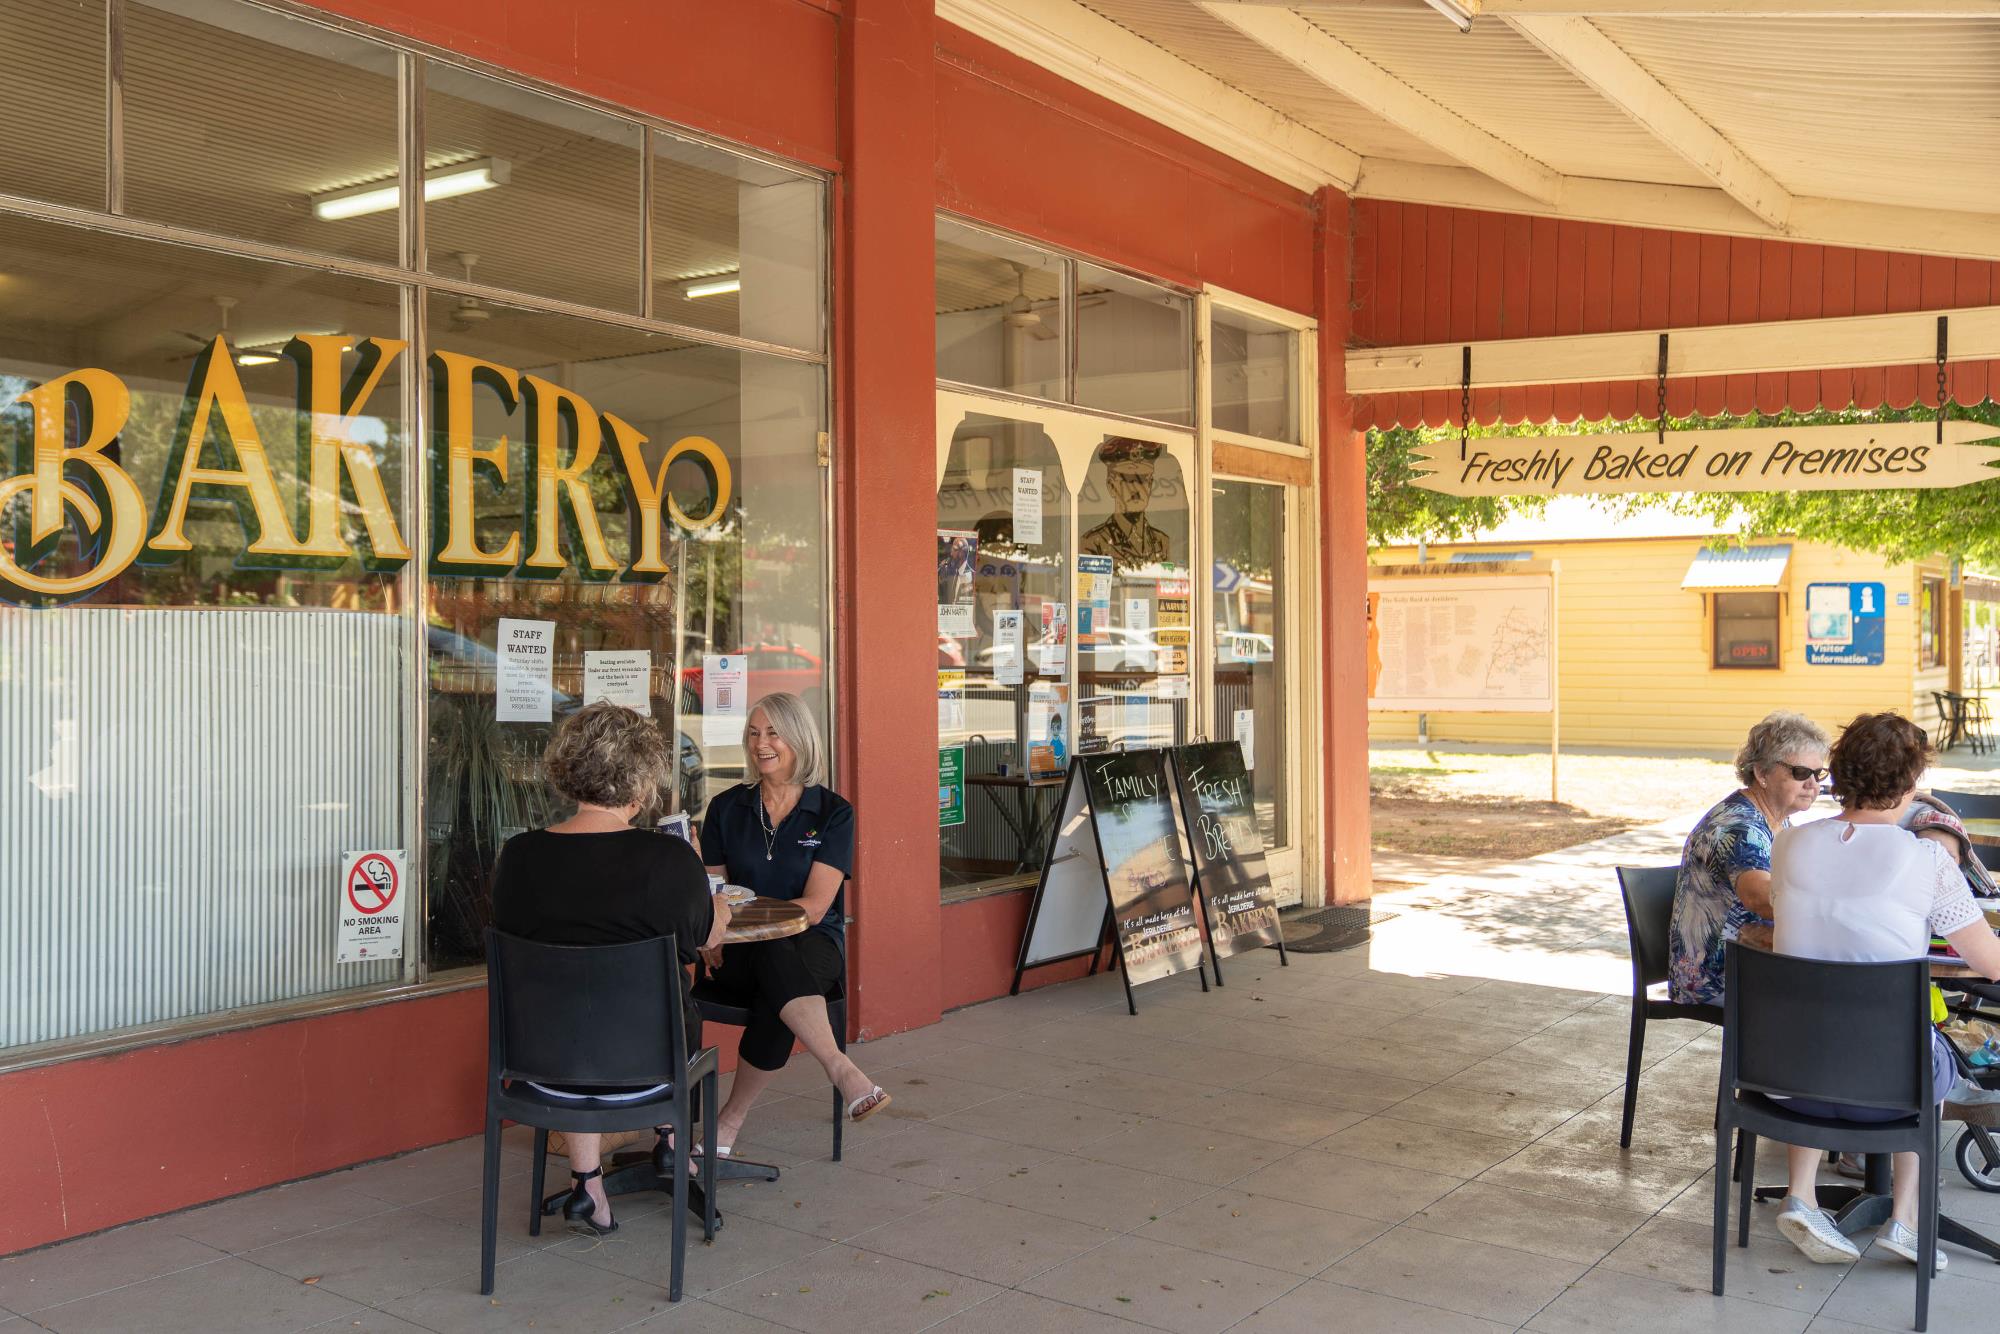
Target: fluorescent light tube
721 285
1460 12
256 358
461 178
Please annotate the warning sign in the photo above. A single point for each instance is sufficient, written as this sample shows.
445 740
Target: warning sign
371 906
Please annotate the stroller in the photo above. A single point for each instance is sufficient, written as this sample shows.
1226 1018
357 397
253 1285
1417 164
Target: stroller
1978 1152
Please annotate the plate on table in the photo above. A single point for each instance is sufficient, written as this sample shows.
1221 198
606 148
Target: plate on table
737 895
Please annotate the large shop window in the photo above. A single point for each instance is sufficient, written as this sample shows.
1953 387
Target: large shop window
1134 347
1253 375
250 620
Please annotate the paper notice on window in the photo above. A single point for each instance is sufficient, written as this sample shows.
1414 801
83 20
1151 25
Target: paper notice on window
1027 507
1009 662
1174 687
951 700
1052 650
526 653
1138 613
1135 720
955 620
1246 736
621 676
724 698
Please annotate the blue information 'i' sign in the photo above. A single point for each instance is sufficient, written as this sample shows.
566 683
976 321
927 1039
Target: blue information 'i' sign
1845 624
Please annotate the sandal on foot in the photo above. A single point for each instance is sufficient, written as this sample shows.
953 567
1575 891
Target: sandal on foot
581 1211
722 1151
869 1103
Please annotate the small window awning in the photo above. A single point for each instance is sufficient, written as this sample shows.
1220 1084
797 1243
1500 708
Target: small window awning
1739 567
1485 557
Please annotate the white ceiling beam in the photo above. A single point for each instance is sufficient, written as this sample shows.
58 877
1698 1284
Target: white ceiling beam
1818 9
1586 52
1346 71
1773 347
1922 231
1096 54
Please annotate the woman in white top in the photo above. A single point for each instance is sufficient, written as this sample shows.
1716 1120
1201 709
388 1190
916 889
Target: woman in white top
1859 888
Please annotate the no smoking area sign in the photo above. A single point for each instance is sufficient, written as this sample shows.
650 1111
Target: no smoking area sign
371 906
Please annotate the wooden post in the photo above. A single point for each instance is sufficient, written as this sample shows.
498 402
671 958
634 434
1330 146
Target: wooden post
1555 676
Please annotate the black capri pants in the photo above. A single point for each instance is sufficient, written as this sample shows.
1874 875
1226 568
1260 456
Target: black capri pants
765 976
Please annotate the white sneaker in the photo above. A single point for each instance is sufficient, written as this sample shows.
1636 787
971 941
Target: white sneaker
1815 1233
1899 1240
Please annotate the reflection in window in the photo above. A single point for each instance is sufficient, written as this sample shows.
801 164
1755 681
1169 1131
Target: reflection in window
736 245
1134 598
1253 370
1134 347
1251 636
243 121
555 213
999 313
524 547
1004 643
53 147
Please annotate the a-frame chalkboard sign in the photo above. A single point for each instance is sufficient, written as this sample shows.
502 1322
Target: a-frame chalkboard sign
1232 883
1114 863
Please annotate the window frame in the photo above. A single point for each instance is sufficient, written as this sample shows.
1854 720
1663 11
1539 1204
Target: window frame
1715 623
1933 651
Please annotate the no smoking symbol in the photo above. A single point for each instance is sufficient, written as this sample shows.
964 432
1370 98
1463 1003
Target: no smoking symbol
371 885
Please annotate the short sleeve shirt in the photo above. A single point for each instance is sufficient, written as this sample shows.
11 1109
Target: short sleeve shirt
818 831
1731 839
1865 893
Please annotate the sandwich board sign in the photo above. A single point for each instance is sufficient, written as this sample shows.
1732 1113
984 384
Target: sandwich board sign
1231 882
1115 865
372 897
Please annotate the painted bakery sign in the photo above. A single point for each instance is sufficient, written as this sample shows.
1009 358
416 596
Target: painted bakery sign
327 502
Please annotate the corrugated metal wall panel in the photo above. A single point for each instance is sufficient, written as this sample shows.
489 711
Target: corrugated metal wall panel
1425 274
176 787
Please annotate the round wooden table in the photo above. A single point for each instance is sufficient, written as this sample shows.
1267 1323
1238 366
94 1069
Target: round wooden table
764 919
1985 832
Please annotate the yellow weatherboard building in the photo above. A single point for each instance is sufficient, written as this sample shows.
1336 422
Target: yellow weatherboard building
1675 634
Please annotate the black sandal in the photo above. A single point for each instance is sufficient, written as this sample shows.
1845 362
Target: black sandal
580 1209
663 1152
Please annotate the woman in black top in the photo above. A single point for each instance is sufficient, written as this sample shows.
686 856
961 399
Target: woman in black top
786 836
593 879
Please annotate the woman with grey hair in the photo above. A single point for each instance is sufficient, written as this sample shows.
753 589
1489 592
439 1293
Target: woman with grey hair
1725 879
786 835
594 879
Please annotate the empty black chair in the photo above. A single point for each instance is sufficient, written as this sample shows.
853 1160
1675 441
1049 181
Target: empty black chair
717 1009
600 1016
1649 913
1975 806
1852 1034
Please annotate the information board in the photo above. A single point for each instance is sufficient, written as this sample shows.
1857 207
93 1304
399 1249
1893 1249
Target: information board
1232 882
1846 625
1444 642
1115 862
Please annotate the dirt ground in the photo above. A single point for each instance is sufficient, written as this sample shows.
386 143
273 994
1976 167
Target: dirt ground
1458 804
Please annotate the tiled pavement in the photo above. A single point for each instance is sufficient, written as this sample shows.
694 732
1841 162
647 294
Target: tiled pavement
1330 1146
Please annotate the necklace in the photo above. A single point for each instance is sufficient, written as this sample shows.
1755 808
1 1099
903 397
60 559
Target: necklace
770 830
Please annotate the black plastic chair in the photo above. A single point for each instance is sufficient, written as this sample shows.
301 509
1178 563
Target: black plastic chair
602 1016
1975 806
1649 911
718 1009
1854 1034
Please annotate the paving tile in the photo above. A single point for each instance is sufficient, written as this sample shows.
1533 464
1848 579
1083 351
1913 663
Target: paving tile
1261 1116
1771 1270
1261 1230
1315 1308
227 1294
843 1288
379 1259
1040 1121
1023 1313
1473 1036
431 1172
1557 1085
980 1239
1573 1230
1099 1194
278 1214
698 1317
43 1278
1384 1139
1127 1090
925 1097
367 1320
1380 1191
1352 1090
1003 1068
940 1159
1193 1153
1197 1064
1608 1179
641 1249
1883 1292
539 1291
1607 1300
1503 1114
1470 1277
1164 1286
828 1200
918 1044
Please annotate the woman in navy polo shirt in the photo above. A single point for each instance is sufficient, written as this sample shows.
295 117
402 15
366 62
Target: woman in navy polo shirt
786 836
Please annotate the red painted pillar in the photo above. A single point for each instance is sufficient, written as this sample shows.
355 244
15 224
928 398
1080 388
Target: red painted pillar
1343 520
885 597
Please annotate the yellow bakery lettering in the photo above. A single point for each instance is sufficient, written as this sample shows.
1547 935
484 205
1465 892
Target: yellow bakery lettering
110 506
552 410
327 409
648 490
454 539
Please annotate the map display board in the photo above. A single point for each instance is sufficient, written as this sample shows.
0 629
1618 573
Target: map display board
1442 639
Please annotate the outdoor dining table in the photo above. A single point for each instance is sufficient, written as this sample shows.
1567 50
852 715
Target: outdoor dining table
1983 832
631 1172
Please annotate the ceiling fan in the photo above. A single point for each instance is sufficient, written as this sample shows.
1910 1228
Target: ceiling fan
1019 312
470 310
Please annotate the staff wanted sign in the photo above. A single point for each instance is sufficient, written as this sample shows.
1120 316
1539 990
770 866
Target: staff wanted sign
371 907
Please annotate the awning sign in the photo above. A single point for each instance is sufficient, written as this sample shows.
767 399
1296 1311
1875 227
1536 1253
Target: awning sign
371 906
1865 457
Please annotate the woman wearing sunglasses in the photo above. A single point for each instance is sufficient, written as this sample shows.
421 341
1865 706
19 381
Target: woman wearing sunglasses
1725 880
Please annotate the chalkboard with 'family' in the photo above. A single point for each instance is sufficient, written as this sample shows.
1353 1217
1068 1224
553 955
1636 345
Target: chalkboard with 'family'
1231 879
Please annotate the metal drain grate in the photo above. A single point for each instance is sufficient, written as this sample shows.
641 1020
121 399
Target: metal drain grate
1331 929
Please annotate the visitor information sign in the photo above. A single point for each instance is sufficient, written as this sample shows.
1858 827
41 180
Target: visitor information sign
1846 624
1115 862
1232 883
